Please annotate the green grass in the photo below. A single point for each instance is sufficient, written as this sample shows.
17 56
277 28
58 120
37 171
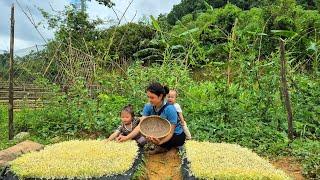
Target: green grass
4 142
4 137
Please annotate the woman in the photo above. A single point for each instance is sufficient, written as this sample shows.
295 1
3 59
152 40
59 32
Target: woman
158 106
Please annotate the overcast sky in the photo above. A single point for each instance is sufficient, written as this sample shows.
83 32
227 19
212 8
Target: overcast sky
26 35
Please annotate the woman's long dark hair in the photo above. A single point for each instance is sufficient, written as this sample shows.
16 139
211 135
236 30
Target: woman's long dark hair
158 89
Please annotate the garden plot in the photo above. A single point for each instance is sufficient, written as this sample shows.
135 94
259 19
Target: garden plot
78 159
204 160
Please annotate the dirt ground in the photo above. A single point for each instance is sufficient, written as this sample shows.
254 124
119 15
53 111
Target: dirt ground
164 166
290 166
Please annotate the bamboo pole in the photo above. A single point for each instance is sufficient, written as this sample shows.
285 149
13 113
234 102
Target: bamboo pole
10 109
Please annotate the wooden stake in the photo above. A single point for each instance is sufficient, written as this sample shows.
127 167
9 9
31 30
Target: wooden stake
285 91
10 122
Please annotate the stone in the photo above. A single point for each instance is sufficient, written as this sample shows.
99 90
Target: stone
13 152
21 136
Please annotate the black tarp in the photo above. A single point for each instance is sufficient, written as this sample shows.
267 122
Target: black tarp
185 165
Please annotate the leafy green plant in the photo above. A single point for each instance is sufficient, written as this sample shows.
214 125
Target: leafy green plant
308 152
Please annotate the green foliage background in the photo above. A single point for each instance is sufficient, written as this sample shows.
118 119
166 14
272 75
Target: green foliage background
190 50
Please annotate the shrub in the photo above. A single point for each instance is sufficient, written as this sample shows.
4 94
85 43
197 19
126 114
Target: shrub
308 152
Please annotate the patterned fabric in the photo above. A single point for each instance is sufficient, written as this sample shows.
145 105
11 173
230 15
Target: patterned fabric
127 130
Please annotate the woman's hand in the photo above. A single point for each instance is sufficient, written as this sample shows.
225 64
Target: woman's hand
154 140
122 138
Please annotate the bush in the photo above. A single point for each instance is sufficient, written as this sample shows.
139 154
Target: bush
308 152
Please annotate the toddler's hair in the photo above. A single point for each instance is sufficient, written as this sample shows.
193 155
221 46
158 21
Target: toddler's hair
129 109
